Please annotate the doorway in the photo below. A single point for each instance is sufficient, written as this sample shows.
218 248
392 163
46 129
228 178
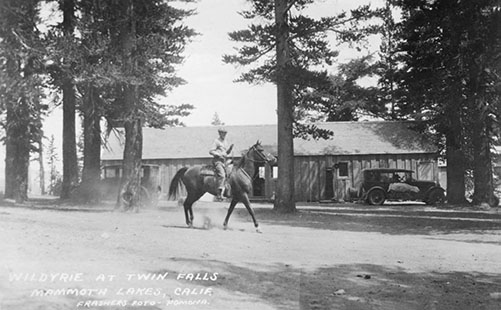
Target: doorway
258 182
329 187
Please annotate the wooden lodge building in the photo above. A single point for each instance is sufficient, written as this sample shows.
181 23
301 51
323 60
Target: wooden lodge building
324 169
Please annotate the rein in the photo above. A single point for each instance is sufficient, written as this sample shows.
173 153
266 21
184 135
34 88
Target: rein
246 157
263 158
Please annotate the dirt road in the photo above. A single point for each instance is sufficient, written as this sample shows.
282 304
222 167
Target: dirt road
323 257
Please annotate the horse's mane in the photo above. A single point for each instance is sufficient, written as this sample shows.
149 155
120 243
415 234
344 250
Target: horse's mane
241 162
243 159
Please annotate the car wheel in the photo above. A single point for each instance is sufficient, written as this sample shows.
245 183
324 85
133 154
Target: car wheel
376 197
436 197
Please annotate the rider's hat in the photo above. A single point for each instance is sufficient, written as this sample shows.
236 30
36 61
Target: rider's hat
222 129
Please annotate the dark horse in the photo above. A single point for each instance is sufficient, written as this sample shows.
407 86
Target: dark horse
240 179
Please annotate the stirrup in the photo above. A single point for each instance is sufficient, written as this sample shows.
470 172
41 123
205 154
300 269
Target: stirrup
226 192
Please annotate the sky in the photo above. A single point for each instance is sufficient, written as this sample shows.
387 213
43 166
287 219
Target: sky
210 85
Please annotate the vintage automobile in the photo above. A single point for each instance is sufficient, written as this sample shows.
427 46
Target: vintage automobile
382 184
150 188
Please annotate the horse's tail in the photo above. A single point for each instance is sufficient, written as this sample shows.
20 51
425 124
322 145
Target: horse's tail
176 182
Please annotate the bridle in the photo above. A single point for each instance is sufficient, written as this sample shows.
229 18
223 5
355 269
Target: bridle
262 159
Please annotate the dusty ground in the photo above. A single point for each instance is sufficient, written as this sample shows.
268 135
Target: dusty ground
323 257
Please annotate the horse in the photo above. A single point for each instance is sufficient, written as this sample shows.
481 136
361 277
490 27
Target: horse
197 183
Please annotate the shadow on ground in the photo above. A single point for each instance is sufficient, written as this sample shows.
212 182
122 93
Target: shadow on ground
384 221
360 287
350 217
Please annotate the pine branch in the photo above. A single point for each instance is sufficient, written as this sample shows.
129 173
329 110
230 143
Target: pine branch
246 61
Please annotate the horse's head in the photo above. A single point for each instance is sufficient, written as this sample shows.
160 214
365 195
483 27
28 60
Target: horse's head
258 154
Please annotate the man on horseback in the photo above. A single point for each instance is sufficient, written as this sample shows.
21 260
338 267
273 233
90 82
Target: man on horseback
220 152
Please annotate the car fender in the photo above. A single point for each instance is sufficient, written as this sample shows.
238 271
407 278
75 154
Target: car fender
432 189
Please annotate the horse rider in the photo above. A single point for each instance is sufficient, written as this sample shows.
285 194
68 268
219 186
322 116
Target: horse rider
220 151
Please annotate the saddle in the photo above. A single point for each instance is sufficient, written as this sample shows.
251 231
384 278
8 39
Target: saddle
210 170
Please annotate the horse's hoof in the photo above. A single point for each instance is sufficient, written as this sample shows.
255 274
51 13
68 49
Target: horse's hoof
258 230
225 227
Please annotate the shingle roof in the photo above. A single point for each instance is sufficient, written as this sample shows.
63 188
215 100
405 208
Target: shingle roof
349 138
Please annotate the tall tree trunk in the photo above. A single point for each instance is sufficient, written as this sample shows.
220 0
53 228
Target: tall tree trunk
41 167
21 166
10 146
89 190
17 153
284 199
480 134
129 194
482 168
130 184
10 154
70 162
455 158
17 136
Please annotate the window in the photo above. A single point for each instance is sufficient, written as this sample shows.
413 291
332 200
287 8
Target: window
274 172
385 177
111 172
261 172
342 170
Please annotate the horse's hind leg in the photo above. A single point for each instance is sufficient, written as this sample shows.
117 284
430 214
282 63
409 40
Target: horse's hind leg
188 208
245 200
188 214
230 210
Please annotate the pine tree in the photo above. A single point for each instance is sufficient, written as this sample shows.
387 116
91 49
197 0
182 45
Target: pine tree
449 82
21 83
149 44
282 47
216 121
343 98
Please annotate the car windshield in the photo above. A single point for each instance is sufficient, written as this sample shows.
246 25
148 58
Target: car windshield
388 176
401 176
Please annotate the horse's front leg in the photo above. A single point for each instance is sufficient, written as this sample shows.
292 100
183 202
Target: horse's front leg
246 201
230 210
